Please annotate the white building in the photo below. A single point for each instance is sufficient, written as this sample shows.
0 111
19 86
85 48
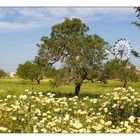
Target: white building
12 74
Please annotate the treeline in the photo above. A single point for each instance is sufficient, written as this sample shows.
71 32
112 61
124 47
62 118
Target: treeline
112 70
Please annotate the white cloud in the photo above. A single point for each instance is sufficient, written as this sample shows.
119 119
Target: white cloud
105 13
31 18
17 26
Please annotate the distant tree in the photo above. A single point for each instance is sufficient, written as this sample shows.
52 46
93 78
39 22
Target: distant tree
52 73
58 78
137 10
2 73
30 70
80 53
116 69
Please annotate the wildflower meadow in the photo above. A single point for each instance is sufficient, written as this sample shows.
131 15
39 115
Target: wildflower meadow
38 112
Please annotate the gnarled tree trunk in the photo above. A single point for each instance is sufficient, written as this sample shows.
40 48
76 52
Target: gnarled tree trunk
125 83
77 89
38 81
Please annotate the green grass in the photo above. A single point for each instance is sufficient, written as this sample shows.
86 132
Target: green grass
18 86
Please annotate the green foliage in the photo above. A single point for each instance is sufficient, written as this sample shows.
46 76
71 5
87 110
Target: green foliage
120 70
135 54
52 73
137 23
2 73
80 53
58 79
30 70
56 76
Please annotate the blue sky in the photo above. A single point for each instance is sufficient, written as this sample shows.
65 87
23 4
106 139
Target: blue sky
22 28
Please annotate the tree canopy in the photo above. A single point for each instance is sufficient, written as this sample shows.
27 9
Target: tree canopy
80 54
120 70
30 70
2 73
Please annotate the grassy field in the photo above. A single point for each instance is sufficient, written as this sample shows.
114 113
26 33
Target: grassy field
18 86
106 109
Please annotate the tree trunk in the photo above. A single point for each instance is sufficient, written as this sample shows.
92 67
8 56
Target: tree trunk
38 81
77 89
125 83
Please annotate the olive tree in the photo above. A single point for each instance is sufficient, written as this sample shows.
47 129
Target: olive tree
120 70
30 70
79 53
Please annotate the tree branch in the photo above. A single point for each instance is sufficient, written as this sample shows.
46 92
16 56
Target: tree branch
90 79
